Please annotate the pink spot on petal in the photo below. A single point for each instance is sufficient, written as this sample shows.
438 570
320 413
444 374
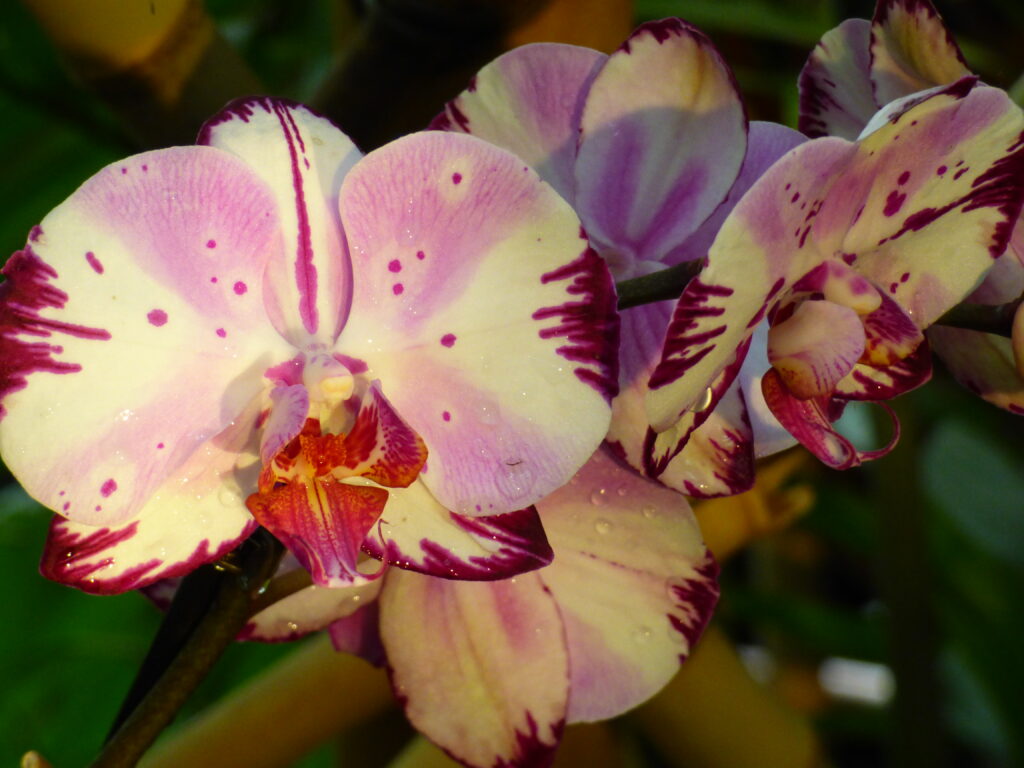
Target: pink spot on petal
67 506
124 171
108 487
35 233
211 243
904 277
159 446
941 170
448 340
221 332
145 167
62 493
446 416
94 262
421 255
157 317
395 266
456 178
893 203
397 289
241 288
213 279
98 507
904 178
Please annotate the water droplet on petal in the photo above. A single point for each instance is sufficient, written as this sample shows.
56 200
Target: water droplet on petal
649 511
642 634
599 497
622 490
704 403
602 526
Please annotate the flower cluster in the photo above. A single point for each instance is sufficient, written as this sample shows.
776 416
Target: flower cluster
409 368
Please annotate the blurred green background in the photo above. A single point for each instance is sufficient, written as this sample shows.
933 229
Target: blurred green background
923 550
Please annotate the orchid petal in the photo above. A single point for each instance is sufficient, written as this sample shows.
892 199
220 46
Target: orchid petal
453 276
810 422
308 610
485 674
815 347
195 517
836 97
359 634
926 225
982 362
769 436
416 533
163 366
874 383
529 101
633 582
288 411
303 158
762 247
911 50
662 139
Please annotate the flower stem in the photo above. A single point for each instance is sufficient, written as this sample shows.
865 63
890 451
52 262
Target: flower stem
210 607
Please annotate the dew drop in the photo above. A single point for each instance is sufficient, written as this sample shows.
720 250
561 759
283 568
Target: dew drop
704 403
602 526
649 512
599 497
622 490
642 635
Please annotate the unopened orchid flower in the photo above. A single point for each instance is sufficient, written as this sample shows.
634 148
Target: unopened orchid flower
856 69
850 249
651 147
395 354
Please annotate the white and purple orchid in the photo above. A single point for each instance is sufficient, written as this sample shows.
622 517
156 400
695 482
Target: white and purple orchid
651 147
395 354
856 69
850 249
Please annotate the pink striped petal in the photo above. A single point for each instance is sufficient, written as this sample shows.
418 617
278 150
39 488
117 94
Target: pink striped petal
308 610
810 422
925 226
359 634
529 101
836 98
662 138
633 583
302 157
815 347
417 533
982 362
481 668
122 338
195 517
874 383
911 50
288 410
487 319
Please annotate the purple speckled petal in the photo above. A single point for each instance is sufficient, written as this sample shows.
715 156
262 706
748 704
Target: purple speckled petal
836 98
122 340
633 582
481 667
762 248
417 533
662 138
876 383
924 226
489 322
308 610
982 362
529 101
911 50
303 158
195 517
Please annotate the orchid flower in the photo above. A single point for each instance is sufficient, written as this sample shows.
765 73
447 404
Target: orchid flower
395 354
857 68
850 249
651 147
492 671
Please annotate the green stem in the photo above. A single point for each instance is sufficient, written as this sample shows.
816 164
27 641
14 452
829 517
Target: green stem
210 608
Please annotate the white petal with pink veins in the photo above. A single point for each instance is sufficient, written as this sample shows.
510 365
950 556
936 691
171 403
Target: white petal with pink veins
529 101
303 158
835 87
911 50
308 610
633 582
122 327
195 517
481 668
488 321
662 138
